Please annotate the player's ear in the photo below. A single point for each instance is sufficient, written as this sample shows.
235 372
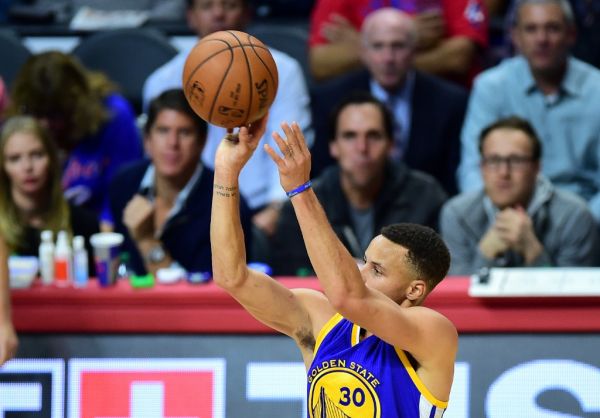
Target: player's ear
416 290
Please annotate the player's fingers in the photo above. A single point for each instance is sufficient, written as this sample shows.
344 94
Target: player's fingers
274 156
301 140
282 144
292 140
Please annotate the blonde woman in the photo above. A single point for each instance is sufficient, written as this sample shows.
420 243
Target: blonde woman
92 125
31 200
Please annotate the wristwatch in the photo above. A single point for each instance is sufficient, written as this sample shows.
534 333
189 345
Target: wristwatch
156 254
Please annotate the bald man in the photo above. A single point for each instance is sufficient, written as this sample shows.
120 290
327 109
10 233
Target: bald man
387 50
452 35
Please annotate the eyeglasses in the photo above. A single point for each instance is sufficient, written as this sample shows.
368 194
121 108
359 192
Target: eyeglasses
513 162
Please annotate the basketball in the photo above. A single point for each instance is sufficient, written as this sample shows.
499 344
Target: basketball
230 78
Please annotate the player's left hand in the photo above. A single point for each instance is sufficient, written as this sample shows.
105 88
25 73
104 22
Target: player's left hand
294 165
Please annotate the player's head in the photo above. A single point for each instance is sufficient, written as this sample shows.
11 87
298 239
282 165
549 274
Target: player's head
406 261
510 161
361 140
208 16
388 40
543 32
174 135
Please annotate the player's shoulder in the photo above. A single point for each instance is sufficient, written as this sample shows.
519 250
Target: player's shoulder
317 306
435 321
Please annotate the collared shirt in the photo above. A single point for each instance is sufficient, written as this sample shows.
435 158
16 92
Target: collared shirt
148 190
399 106
259 179
567 124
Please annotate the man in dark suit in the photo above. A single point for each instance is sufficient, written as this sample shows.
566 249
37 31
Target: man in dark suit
428 112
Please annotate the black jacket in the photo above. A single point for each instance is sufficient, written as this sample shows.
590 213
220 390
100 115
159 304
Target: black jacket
406 196
186 236
438 109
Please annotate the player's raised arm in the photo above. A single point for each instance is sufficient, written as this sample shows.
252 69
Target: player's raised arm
267 300
377 295
335 267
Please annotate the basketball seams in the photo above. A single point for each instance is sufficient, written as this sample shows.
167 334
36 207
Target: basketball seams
254 48
211 86
208 58
251 81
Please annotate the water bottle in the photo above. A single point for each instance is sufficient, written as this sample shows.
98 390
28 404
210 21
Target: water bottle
63 267
46 257
80 262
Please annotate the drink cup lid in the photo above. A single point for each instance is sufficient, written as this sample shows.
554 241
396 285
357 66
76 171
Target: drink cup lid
106 239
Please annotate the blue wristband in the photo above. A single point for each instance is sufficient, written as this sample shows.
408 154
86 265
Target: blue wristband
299 189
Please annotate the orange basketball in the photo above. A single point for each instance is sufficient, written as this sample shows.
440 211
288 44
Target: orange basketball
230 78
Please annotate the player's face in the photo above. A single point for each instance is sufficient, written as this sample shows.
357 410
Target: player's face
174 145
385 268
509 173
361 145
543 36
208 16
26 163
387 51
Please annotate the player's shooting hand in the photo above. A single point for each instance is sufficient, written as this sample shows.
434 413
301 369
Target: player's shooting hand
235 149
8 341
138 217
294 165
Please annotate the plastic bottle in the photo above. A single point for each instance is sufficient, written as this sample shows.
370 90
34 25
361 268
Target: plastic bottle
80 262
124 270
46 257
63 267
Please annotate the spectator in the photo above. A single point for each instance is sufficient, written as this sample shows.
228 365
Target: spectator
3 98
31 200
451 36
558 94
519 219
31 197
414 98
259 182
364 191
586 16
162 206
93 126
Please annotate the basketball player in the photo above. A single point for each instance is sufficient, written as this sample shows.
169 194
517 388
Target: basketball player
370 348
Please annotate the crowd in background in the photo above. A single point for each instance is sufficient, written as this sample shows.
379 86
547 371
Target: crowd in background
414 112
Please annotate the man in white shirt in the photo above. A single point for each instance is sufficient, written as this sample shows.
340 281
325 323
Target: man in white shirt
259 182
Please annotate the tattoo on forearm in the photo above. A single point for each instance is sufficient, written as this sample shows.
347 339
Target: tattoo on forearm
225 191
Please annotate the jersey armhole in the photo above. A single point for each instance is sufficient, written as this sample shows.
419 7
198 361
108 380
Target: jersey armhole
417 381
333 321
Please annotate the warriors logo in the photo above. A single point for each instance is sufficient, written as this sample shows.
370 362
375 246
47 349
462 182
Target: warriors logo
339 392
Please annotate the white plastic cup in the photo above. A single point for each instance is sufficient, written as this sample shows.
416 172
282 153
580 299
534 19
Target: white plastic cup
106 250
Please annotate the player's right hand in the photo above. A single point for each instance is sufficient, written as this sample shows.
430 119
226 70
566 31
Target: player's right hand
236 149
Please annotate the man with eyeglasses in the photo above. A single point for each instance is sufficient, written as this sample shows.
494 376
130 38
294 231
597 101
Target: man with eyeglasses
519 219
558 94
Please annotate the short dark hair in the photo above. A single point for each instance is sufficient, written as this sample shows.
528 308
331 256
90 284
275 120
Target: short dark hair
427 252
358 98
173 99
190 3
563 4
518 124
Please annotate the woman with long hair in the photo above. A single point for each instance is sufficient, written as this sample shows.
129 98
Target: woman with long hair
92 125
31 200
